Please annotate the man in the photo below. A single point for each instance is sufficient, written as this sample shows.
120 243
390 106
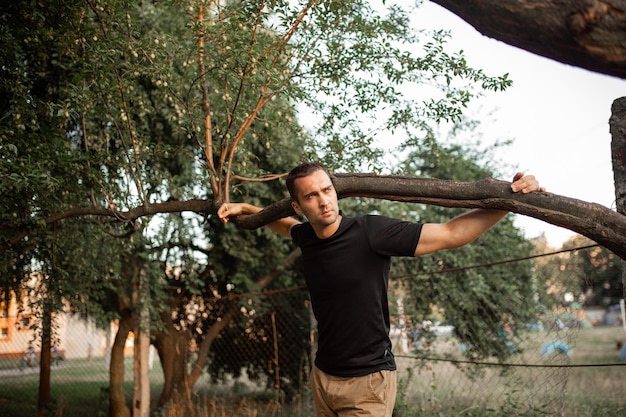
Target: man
346 265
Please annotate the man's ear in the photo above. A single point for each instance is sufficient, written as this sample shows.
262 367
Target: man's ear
296 208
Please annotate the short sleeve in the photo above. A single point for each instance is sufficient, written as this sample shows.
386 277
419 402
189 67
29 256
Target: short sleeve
392 237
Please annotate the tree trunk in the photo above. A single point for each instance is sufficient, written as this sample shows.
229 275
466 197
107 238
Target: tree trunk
141 388
44 361
173 348
207 341
618 156
117 406
173 345
589 34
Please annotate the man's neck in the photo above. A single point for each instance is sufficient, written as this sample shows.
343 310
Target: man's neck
327 231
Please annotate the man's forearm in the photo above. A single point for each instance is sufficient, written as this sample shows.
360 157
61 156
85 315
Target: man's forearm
470 225
456 232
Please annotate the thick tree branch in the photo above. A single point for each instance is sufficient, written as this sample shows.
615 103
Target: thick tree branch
590 34
12 234
595 221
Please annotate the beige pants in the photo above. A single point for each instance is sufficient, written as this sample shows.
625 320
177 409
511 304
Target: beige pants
372 395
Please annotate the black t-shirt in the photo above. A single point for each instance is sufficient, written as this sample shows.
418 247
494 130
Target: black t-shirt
347 276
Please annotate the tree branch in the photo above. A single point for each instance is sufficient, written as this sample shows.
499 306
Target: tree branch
585 33
12 234
595 221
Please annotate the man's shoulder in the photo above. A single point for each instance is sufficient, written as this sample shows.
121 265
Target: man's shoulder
298 231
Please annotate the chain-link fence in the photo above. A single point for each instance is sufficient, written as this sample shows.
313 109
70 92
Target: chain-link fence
565 361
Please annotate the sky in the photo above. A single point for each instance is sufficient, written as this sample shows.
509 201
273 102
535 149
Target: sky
558 116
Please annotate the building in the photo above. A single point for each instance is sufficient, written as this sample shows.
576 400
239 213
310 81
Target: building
75 336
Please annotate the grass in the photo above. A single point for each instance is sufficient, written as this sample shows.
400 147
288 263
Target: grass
432 388
442 389
77 388
597 391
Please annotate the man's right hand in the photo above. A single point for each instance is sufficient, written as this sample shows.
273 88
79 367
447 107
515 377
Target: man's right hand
228 210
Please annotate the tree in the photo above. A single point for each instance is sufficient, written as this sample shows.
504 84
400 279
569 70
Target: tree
115 113
583 272
113 107
586 34
14 239
618 144
598 273
475 300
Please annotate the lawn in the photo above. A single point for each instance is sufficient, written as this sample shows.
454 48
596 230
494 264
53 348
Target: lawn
576 384
427 388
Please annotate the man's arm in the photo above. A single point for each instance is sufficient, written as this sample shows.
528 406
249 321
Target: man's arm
282 226
468 226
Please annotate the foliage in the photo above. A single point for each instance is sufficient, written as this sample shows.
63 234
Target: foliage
599 273
591 275
271 343
111 105
361 64
480 302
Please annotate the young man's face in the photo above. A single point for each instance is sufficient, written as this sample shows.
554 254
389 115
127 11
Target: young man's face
317 200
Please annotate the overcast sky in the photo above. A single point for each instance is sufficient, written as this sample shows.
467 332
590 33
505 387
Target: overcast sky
557 114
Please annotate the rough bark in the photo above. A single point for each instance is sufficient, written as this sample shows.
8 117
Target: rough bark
589 34
618 155
172 345
141 385
117 400
43 403
173 348
618 151
595 221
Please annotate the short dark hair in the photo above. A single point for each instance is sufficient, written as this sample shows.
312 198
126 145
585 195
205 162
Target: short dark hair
303 170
